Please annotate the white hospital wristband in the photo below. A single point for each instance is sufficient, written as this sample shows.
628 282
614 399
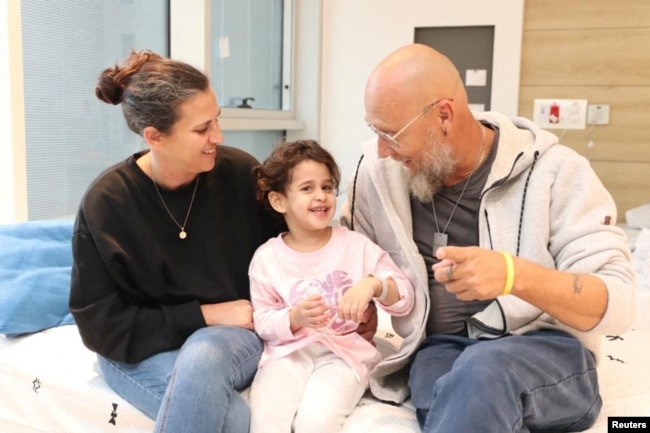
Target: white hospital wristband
384 289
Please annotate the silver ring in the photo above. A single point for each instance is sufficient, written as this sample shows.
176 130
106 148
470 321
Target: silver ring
450 276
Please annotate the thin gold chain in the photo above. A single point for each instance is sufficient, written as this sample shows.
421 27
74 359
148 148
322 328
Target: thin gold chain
183 233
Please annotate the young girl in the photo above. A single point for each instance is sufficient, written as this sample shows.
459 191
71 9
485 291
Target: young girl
309 289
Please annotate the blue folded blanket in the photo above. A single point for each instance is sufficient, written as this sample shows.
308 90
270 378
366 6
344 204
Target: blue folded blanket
35 265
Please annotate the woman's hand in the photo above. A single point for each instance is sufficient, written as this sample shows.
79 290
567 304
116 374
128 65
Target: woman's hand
233 313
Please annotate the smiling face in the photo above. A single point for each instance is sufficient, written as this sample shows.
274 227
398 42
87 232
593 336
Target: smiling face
417 79
390 111
422 149
309 202
190 147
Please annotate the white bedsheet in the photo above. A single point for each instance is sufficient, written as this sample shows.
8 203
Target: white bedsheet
48 384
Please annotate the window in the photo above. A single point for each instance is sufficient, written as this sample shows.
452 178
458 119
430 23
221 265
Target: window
57 136
246 48
249 46
70 135
257 143
247 60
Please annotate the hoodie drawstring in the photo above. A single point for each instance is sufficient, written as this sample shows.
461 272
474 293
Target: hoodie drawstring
354 193
523 201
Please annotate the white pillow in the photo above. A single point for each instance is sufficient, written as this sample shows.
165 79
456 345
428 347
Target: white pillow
639 217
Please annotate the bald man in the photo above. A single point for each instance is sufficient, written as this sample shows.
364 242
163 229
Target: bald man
511 243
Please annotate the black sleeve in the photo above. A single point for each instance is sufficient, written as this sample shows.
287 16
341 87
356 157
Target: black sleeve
112 324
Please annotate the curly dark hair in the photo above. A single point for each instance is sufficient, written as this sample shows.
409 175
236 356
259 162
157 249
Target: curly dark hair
275 173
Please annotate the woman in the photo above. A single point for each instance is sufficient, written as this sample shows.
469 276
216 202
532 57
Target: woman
161 248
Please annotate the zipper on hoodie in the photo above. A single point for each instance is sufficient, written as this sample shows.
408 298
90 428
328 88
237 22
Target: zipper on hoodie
500 182
495 184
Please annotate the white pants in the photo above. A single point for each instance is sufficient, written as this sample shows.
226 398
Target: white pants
311 389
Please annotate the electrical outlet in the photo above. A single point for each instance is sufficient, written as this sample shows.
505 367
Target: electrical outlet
560 113
598 114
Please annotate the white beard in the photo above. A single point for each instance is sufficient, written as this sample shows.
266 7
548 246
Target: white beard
421 188
435 166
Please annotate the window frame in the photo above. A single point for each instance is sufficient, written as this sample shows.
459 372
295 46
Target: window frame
193 46
13 155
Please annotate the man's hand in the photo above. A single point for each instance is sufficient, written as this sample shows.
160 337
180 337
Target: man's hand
577 300
471 273
368 325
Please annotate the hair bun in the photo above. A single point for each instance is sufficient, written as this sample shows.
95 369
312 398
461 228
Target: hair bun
110 86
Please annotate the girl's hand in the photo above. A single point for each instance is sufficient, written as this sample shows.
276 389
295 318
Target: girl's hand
311 312
355 301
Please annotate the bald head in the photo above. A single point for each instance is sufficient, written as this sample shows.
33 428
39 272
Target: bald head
443 141
413 75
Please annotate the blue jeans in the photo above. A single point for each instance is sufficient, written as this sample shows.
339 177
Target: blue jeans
543 381
193 389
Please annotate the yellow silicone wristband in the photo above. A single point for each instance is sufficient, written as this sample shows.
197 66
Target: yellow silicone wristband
510 273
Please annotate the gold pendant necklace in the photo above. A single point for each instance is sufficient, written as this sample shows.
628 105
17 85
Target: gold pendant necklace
183 233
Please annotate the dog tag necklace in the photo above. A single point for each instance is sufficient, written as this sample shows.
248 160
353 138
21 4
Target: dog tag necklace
183 233
440 238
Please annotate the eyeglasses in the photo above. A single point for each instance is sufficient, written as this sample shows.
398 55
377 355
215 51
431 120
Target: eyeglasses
392 139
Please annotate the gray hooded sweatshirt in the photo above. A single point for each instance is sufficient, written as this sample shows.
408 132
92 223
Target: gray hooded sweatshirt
541 199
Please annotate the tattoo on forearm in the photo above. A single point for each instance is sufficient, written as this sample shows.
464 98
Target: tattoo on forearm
577 284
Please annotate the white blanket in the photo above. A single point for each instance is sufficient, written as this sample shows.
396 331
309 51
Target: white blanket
48 384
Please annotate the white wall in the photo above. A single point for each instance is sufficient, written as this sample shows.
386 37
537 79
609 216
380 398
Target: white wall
358 34
307 67
13 188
